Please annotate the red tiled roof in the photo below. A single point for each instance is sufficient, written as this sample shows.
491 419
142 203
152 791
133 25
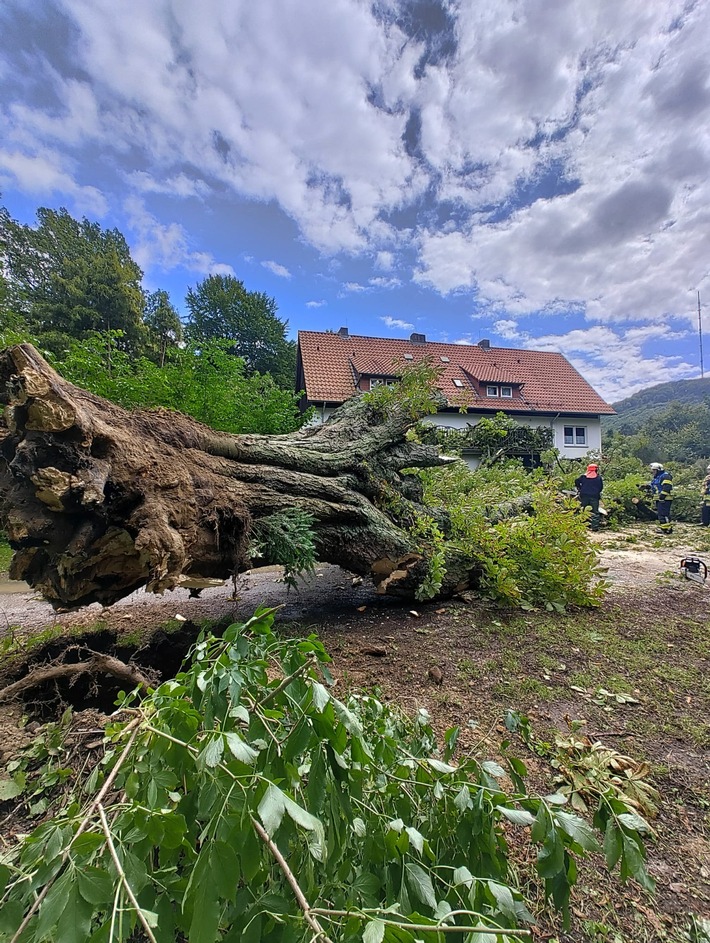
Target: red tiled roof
542 381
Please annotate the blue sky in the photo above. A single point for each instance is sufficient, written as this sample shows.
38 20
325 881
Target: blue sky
528 172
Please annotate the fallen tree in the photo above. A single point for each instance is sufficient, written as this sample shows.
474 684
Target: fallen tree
98 501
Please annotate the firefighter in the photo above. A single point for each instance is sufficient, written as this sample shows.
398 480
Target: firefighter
705 498
589 488
662 487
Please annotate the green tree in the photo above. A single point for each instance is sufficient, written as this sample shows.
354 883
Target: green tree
220 307
68 278
203 381
163 323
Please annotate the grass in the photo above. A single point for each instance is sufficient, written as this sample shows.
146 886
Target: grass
6 552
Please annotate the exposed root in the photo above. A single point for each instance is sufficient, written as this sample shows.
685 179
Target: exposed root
97 664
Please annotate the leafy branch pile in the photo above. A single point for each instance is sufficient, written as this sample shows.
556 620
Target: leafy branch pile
241 801
539 556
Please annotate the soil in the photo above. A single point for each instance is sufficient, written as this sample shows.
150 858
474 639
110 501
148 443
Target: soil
634 671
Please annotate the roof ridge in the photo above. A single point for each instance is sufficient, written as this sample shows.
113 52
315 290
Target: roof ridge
427 343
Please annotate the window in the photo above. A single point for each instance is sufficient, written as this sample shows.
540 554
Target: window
375 383
491 391
506 392
457 382
575 435
445 360
408 357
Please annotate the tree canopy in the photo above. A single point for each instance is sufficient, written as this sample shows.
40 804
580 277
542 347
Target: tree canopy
67 278
163 323
220 307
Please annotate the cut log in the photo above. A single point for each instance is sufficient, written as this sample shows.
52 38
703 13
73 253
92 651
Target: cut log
98 501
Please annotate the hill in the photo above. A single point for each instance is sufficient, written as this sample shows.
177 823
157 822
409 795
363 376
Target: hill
634 411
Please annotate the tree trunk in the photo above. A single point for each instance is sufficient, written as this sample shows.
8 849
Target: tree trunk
98 501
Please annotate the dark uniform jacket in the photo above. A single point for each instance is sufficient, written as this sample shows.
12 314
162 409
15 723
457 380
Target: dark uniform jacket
591 487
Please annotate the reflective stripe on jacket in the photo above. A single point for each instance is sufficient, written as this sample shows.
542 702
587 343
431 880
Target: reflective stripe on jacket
662 485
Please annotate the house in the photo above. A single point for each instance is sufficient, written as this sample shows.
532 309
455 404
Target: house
536 388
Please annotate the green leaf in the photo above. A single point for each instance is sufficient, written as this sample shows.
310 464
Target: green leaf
359 827
516 816
320 696
577 829
504 899
420 884
636 865
634 821
541 824
374 931
347 718
95 885
240 749
556 798
300 816
52 907
551 857
416 839
271 808
88 842
150 917
612 843
463 876
493 769
205 914
11 914
212 754
366 886
9 789
225 870
240 713
75 921
440 767
462 800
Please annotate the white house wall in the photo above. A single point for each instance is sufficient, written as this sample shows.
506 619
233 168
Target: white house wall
592 424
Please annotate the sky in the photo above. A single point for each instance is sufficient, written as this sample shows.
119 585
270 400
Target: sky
527 172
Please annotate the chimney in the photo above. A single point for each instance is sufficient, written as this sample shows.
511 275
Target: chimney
485 344
418 338
343 332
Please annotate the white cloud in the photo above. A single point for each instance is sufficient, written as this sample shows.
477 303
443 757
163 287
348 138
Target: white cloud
179 185
42 175
397 323
277 269
385 261
293 123
607 102
558 157
616 363
507 329
315 304
166 247
379 282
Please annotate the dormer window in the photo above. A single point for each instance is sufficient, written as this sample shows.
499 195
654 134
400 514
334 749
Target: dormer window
506 392
375 382
491 391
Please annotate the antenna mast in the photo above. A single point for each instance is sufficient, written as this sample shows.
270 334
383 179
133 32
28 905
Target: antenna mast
700 336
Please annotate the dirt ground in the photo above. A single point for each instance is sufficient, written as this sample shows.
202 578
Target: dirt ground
635 671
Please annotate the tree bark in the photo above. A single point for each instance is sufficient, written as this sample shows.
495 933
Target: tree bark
98 501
